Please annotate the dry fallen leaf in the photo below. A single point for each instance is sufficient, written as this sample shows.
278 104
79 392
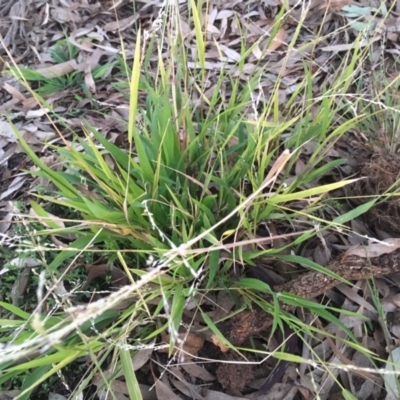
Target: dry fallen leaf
349 46
198 372
187 389
214 339
277 41
214 395
351 294
165 392
118 277
119 389
333 4
7 132
64 15
61 69
7 213
15 185
364 385
187 345
231 54
142 356
386 246
14 92
36 113
121 24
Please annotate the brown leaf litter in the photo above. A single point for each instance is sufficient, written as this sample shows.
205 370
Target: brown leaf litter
29 29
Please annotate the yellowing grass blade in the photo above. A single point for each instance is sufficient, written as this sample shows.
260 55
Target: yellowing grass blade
201 49
283 198
134 88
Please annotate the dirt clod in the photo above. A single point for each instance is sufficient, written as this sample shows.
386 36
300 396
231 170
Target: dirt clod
234 376
381 174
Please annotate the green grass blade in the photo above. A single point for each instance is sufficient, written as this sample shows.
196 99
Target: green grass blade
66 188
129 374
